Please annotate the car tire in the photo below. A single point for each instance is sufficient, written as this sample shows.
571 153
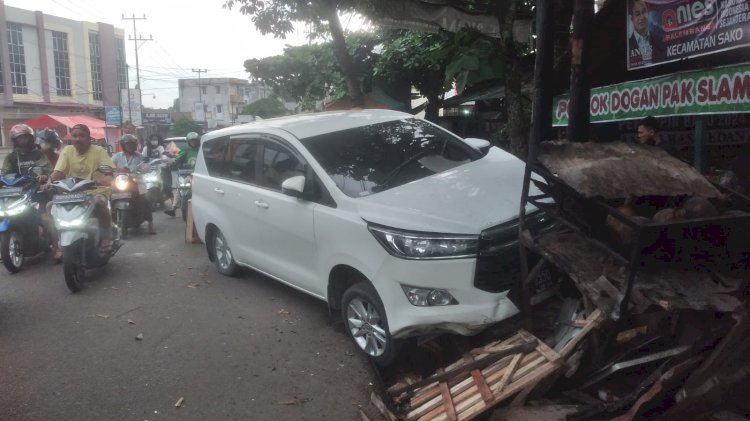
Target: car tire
223 257
366 323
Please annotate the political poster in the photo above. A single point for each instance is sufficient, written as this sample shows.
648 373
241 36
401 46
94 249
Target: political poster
661 31
712 91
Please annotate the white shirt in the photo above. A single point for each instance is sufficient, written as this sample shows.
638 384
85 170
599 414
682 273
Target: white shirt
644 46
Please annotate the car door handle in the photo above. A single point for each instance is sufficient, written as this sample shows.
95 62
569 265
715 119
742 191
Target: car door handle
260 204
218 190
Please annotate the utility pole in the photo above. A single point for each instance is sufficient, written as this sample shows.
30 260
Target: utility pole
200 96
135 38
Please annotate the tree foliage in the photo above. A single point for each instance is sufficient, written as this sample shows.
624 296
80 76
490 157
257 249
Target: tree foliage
265 108
185 125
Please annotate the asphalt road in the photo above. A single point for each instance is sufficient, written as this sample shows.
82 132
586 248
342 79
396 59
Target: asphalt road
244 348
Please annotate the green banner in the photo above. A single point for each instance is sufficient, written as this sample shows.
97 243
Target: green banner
711 91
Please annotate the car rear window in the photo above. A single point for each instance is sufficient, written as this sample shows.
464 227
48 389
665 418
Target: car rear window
370 159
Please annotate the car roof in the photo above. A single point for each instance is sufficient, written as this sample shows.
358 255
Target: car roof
314 124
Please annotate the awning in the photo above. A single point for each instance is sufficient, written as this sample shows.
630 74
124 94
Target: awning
479 93
52 121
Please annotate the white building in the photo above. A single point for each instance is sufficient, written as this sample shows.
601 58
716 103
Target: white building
215 101
52 65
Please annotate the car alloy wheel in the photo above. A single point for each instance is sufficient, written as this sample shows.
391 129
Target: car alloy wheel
365 325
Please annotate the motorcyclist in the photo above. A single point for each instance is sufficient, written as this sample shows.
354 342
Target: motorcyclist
49 142
25 155
131 160
185 160
155 149
81 160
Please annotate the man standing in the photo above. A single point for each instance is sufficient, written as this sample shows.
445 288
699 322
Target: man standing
131 160
648 134
81 160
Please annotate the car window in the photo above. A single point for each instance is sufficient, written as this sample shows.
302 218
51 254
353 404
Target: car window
278 165
242 157
370 159
214 152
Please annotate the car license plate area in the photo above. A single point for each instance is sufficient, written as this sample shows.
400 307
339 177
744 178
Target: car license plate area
122 195
69 198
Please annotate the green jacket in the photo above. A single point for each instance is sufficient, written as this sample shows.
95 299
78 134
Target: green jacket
186 158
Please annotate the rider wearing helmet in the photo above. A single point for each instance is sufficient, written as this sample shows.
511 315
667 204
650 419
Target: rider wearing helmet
25 154
185 160
131 160
49 142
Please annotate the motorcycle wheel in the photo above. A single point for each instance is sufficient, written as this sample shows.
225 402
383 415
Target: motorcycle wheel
11 250
73 267
121 218
184 209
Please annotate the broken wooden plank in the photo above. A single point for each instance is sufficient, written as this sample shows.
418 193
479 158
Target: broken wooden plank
593 320
380 405
508 374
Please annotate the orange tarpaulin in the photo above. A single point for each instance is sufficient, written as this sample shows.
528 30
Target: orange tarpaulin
52 121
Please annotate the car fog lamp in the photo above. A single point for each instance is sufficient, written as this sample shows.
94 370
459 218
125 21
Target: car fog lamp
425 297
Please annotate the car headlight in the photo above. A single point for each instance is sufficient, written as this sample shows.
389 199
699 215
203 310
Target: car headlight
413 245
121 182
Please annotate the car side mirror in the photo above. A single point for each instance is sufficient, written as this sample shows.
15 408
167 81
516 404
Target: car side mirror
480 145
294 186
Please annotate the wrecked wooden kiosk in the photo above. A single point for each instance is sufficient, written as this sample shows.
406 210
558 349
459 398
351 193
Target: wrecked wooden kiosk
654 313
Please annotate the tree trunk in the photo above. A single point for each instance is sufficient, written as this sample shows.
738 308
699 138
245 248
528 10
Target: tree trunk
342 56
516 113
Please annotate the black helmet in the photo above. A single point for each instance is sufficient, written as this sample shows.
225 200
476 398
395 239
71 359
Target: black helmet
48 136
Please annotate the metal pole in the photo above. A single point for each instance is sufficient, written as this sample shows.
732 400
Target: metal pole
135 39
200 96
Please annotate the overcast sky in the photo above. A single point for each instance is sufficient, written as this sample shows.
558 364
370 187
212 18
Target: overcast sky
187 34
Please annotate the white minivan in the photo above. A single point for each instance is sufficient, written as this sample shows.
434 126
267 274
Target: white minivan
400 226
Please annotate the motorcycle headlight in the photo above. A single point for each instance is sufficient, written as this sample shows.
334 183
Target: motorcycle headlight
121 182
69 224
150 178
413 245
18 207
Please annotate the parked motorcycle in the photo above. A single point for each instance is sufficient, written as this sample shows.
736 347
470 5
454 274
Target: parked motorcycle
21 231
73 208
184 189
154 183
127 211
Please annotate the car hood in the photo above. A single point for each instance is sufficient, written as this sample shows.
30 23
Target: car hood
464 200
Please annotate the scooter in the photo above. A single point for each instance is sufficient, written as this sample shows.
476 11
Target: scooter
73 208
154 183
184 189
21 230
125 202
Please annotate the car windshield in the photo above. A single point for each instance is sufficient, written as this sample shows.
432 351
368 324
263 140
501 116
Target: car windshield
370 159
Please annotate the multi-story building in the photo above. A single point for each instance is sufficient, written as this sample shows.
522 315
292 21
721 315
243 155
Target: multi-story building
52 65
214 102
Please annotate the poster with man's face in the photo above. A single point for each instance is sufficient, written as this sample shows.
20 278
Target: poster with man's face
661 31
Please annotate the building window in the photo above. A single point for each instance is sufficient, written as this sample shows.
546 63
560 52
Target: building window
218 109
17 59
62 63
203 90
2 77
218 89
122 64
96 66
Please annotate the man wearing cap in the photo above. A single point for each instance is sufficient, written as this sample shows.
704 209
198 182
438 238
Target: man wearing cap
81 159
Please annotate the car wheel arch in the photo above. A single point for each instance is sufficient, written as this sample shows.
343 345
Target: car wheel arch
210 229
340 278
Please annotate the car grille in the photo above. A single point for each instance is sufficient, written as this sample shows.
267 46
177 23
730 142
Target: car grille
498 264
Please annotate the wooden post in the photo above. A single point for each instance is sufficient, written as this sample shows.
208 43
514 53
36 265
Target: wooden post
191 233
580 80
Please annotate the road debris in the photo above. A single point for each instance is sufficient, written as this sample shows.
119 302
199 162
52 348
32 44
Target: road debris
131 322
139 337
103 316
179 402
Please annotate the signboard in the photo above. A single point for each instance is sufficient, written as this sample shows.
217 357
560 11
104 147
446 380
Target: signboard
131 105
661 31
157 117
712 91
199 112
113 116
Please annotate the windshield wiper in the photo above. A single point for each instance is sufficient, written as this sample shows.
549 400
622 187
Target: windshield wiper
391 175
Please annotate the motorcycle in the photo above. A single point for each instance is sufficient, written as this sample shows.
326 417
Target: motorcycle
184 189
154 183
73 208
21 230
127 211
